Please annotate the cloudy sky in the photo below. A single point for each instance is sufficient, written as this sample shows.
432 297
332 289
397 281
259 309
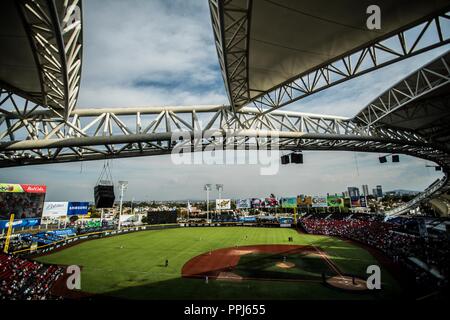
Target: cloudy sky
158 52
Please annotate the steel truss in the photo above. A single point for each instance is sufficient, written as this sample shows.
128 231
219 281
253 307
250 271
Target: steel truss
36 136
428 79
55 35
231 41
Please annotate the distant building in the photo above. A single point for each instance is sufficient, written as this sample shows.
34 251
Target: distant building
365 190
379 191
375 193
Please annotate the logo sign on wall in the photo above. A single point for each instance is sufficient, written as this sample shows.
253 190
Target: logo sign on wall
303 200
55 209
243 203
335 201
289 202
77 208
257 203
223 204
20 223
28 188
247 219
271 202
319 202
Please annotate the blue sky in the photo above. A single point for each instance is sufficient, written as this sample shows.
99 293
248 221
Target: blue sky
162 53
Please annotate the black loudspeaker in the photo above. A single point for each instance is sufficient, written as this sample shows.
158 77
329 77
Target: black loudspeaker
104 196
382 159
395 158
285 159
438 168
297 158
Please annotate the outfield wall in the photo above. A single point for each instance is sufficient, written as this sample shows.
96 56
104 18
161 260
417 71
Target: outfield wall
44 249
89 236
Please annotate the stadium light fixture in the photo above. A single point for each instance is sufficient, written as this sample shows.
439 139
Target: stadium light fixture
207 188
219 188
123 185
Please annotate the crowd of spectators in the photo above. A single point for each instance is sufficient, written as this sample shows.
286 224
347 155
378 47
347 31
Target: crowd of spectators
400 246
21 279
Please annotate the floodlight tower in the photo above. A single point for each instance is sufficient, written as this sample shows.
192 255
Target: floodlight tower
219 188
123 185
207 188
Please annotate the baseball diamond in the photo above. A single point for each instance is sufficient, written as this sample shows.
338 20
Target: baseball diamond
243 262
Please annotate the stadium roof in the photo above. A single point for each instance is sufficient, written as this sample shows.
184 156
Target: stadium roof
419 103
40 58
267 43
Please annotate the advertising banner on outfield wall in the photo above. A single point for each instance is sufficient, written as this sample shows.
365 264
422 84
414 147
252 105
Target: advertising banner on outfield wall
243 203
223 204
319 202
247 219
304 201
21 223
335 201
289 202
77 208
53 210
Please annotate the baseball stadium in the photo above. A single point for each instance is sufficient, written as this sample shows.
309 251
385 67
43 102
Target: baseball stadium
240 263
271 56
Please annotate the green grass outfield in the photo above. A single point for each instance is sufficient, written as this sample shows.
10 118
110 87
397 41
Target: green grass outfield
132 265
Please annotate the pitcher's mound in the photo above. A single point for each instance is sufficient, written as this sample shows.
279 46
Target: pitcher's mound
285 265
347 283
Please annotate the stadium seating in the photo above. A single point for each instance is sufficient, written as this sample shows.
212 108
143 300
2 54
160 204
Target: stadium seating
402 247
21 279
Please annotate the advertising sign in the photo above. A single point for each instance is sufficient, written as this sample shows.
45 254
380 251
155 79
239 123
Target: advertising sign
335 201
243 203
289 202
363 201
271 202
304 201
347 203
77 208
247 219
55 209
319 202
28 188
24 200
223 204
355 202
286 220
353 193
258 203
20 223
